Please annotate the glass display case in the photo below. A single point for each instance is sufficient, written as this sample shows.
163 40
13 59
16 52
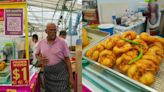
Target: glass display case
99 79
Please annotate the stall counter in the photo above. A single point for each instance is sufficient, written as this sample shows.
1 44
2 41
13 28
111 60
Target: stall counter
34 85
137 26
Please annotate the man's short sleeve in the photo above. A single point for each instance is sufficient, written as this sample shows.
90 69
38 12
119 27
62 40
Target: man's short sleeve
65 49
37 49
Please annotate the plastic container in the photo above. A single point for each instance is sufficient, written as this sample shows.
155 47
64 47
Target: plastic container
4 79
5 71
107 28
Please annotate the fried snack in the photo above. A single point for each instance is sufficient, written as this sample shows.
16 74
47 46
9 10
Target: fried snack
148 65
116 38
93 53
100 47
147 38
122 47
122 62
85 40
2 65
129 35
109 43
147 79
143 43
133 72
139 72
157 51
159 44
107 58
161 40
152 58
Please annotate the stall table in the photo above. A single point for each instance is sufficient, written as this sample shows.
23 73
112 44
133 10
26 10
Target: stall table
137 26
34 85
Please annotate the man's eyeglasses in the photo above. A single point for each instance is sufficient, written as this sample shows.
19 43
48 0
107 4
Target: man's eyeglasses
52 30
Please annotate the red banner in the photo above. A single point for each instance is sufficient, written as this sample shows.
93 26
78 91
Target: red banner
6 1
20 72
1 14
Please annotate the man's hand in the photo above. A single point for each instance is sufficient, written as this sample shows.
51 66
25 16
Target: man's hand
71 83
42 59
69 68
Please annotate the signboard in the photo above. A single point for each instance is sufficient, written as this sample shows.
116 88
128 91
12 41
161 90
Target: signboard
90 12
20 72
1 14
14 21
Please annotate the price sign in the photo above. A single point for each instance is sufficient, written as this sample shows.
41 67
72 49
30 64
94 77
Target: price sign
20 72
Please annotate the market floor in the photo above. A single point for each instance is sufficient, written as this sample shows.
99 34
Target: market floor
42 90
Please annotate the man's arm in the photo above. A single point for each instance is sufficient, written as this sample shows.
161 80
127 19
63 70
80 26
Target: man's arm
41 59
37 56
69 68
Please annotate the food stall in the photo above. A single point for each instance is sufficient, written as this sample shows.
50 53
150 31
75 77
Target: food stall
108 66
34 86
16 74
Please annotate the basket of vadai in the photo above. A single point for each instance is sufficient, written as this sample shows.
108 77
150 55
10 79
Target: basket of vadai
85 38
90 36
137 56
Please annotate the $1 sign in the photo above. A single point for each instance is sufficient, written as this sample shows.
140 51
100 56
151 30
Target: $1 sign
20 72
16 74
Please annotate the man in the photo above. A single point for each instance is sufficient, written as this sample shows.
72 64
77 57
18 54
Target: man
35 38
33 44
153 17
54 54
63 34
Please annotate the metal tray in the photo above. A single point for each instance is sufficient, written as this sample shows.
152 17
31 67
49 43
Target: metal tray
156 87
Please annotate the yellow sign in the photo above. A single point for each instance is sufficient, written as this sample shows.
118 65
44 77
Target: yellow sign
24 6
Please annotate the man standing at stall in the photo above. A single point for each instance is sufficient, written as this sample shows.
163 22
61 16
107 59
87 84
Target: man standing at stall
63 35
154 17
54 54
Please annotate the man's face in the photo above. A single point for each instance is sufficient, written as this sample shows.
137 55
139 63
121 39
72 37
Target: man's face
63 36
51 31
34 40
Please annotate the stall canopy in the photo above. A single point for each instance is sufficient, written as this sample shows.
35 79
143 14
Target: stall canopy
40 12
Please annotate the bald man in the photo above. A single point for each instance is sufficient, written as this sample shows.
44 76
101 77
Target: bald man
53 53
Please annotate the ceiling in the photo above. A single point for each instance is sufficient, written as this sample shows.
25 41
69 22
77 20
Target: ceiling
41 12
